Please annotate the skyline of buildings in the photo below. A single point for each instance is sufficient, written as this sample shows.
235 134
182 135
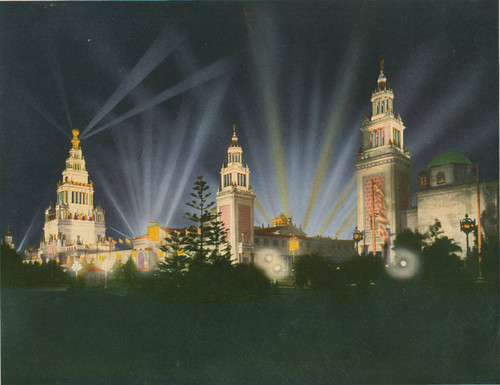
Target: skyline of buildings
75 230
157 99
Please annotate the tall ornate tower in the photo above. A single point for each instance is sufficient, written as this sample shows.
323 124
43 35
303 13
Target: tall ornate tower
235 203
7 239
382 163
73 220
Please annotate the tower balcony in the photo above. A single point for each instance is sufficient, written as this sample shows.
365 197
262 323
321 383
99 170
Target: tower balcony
387 149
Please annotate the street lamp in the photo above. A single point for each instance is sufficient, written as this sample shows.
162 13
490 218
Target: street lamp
77 266
357 236
467 225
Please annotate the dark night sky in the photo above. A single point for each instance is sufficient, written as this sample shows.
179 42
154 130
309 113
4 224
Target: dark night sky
296 78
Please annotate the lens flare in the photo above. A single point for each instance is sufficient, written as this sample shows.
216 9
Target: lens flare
405 265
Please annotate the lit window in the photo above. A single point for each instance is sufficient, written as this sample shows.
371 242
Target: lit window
440 178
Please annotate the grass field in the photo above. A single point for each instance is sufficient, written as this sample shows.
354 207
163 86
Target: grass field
397 334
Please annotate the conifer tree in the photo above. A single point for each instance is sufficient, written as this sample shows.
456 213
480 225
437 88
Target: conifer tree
176 262
198 241
221 250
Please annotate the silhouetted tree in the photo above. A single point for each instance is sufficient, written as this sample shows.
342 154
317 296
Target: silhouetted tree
411 240
198 264
15 273
442 266
176 260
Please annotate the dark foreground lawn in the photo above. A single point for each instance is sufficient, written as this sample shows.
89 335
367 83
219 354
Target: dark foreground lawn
397 334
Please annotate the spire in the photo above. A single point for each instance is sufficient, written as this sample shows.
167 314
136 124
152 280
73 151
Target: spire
8 231
235 138
75 141
381 78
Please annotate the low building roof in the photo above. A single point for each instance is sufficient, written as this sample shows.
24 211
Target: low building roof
94 268
448 157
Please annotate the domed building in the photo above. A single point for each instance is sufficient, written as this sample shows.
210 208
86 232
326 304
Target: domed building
447 190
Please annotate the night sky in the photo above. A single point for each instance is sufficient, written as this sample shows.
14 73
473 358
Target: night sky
154 89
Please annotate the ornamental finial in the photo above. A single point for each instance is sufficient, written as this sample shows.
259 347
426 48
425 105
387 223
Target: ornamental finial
381 64
235 138
75 141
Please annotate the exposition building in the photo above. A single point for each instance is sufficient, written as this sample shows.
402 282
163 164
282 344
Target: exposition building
448 188
75 231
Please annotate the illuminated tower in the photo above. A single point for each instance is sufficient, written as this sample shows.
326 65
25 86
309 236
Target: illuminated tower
7 239
382 161
73 220
235 203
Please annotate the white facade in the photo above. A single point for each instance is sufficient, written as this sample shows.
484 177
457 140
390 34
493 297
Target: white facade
447 190
235 203
382 161
73 223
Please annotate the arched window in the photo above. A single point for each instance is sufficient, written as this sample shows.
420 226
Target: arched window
440 179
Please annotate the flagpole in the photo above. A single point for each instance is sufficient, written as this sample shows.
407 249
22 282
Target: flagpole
373 218
478 223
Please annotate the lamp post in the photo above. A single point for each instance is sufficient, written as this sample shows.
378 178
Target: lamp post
357 236
77 266
468 225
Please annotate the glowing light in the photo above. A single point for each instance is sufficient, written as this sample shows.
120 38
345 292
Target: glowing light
214 70
347 191
164 44
276 266
406 264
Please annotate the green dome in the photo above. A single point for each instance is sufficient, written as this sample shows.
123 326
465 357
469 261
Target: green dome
448 157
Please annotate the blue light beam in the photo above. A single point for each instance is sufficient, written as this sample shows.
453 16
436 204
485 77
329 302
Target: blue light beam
214 70
165 43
